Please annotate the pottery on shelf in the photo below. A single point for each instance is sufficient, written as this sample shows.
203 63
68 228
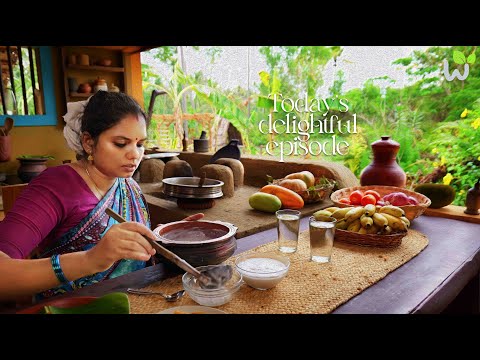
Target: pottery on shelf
384 169
83 59
31 167
84 88
100 84
72 84
104 62
114 88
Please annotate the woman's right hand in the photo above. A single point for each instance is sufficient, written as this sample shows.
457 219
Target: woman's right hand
122 241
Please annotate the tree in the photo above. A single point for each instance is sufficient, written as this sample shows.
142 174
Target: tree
300 68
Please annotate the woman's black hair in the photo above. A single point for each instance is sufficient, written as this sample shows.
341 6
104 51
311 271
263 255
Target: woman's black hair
105 109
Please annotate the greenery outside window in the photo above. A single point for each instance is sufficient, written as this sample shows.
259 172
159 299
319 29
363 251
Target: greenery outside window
31 100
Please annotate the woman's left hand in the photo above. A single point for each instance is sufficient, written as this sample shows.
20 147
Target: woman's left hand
193 217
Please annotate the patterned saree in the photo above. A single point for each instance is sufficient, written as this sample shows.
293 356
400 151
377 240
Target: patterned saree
125 198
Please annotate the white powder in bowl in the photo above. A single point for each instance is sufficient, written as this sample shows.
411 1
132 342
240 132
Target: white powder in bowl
262 273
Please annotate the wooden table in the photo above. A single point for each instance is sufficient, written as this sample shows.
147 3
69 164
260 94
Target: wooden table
446 270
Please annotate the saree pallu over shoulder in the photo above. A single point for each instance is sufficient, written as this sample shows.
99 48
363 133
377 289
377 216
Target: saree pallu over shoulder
125 198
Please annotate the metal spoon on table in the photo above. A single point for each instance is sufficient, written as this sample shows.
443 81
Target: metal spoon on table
173 297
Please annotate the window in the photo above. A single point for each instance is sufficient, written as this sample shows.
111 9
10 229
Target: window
26 86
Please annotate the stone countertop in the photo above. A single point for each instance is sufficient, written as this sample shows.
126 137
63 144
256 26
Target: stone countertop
235 210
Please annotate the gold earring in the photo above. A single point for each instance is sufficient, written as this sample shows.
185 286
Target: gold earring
90 157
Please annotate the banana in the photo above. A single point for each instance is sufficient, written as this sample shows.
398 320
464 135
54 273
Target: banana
354 226
354 213
366 221
332 209
406 221
387 230
380 220
342 224
370 209
362 230
373 229
319 213
392 210
395 223
340 213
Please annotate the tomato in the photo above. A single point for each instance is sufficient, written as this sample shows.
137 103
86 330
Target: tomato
368 199
344 201
374 193
356 197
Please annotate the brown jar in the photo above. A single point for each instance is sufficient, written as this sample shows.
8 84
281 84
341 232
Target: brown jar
473 200
384 169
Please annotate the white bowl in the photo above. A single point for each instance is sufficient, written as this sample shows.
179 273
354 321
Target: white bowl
262 271
211 297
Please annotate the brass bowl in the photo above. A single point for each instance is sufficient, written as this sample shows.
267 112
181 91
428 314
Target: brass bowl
188 188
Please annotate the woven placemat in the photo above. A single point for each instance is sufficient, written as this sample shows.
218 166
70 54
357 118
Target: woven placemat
309 288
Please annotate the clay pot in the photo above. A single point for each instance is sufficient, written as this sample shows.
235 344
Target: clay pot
84 88
199 242
72 59
114 88
104 62
384 169
83 59
100 84
30 167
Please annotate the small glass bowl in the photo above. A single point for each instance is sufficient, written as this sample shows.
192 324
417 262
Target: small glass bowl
211 297
262 271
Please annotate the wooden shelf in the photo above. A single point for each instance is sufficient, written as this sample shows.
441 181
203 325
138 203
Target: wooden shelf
82 95
81 74
96 68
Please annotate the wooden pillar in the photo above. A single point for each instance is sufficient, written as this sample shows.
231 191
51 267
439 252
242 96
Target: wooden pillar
133 77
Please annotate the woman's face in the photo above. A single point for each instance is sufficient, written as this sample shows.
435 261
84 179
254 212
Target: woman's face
119 149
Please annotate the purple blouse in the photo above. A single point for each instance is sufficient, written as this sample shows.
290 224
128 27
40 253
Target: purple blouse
52 203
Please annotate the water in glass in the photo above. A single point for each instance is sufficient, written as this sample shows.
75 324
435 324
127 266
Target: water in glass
288 227
321 240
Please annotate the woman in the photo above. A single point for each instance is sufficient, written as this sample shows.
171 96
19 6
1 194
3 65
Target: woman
59 221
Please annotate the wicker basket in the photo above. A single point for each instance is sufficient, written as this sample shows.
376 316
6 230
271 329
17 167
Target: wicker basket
319 192
388 241
411 211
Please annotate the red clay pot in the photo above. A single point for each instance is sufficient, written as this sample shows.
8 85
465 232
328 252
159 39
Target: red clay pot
384 169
